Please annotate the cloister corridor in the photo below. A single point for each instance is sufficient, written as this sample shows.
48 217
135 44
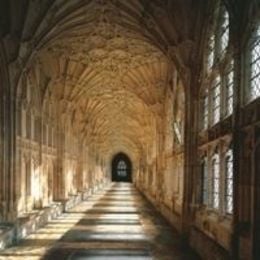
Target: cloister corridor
117 223
130 129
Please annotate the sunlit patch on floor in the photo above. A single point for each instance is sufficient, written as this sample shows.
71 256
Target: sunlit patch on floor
98 230
103 254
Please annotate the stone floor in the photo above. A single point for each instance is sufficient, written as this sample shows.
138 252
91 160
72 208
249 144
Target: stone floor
117 223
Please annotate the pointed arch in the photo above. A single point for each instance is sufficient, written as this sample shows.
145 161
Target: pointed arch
121 168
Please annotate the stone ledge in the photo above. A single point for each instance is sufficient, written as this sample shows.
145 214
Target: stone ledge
12 233
206 247
33 221
75 199
7 234
168 214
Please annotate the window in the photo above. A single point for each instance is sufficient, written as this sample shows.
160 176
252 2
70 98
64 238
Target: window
219 102
215 182
211 193
215 92
211 46
178 113
224 30
204 182
177 125
229 182
121 169
255 66
219 37
229 89
205 111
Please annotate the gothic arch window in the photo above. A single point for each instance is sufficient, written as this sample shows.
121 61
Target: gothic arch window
215 100
211 51
215 167
204 109
121 169
216 189
229 88
204 181
217 97
178 114
218 39
229 182
224 29
254 65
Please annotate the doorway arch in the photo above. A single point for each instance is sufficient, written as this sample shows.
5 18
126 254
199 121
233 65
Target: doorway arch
121 168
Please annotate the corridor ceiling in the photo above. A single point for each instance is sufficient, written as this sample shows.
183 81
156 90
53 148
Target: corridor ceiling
105 64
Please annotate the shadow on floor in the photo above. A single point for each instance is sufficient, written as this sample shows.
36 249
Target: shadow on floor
118 224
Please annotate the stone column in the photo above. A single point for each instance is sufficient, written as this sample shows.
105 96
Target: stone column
59 180
10 160
190 152
256 199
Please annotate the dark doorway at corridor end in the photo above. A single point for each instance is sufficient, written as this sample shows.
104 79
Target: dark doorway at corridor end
121 168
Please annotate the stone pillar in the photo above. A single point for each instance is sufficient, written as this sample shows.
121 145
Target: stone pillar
256 194
10 160
3 161
59 180
190 152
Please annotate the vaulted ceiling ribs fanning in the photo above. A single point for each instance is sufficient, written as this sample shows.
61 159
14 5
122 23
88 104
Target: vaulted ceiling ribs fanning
105 73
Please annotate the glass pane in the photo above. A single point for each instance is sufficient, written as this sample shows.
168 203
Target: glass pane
255 67
224 32
121 169
230 90
205 112
229 183
204 183
216 101
216 182
211 51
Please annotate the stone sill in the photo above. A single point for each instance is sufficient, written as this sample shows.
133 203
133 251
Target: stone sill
12 233
213 215
206 246
171 216
217 227
30 223
7 233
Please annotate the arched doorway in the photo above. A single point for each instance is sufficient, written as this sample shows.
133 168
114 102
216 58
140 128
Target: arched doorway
121 168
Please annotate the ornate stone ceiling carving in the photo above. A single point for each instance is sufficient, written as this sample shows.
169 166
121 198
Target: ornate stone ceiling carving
106 75
103 63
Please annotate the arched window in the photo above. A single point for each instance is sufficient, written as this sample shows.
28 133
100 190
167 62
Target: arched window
254 91
219 37
215 167
178 114
204 181
121 169
218 103
205 110
211 51
229 89
220 199
215 100
229 182
224 29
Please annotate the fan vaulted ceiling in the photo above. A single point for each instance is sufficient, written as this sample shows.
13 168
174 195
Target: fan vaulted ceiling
104 66
106 73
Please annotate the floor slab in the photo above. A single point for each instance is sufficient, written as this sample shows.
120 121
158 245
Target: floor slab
115 224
